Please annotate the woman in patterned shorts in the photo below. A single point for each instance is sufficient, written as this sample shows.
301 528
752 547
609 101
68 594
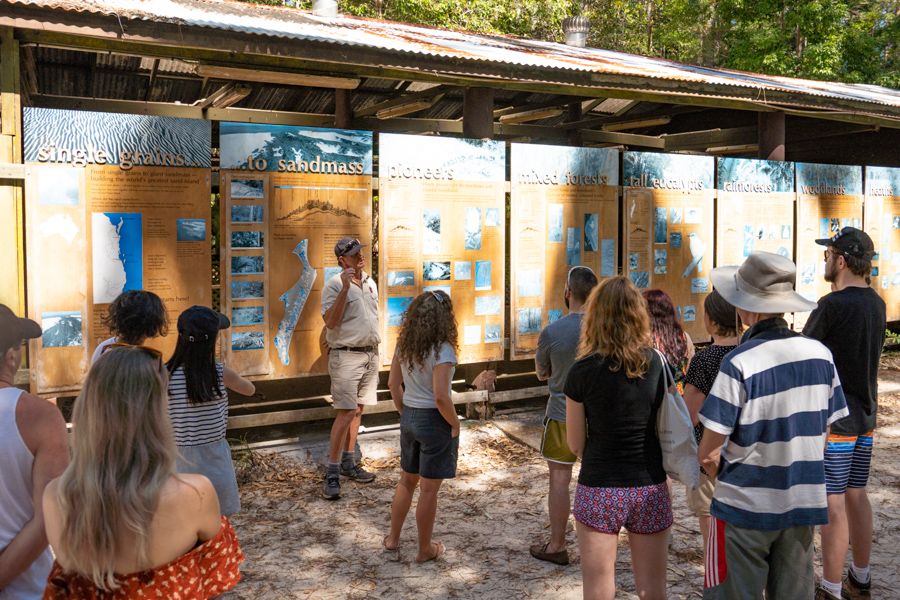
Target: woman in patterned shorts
613 393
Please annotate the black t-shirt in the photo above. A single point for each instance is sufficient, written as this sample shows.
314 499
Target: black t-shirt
851 324
703 371
622 448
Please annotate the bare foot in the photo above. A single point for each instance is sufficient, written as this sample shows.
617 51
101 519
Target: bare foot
438 551
389 546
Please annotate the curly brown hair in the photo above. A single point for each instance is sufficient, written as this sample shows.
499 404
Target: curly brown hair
617 327
427 324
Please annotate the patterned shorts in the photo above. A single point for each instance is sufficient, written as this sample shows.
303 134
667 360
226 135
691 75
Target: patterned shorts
646 509
847 462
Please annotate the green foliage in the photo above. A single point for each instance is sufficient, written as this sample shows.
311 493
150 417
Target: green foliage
855 41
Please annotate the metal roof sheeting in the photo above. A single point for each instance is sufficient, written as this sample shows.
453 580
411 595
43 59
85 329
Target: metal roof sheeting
408 39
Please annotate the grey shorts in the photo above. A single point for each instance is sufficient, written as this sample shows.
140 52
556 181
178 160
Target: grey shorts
214 461
354 378
427 447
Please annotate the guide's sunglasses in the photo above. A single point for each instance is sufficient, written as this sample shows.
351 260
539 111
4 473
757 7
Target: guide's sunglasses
151 352
351 247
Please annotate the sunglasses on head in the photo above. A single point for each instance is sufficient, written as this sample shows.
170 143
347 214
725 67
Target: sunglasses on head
151 352
351 247
437 296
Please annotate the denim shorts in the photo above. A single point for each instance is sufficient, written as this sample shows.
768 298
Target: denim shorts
426 446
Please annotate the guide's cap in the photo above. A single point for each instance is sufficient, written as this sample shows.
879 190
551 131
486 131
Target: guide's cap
15 329
201 324
852 242
348 247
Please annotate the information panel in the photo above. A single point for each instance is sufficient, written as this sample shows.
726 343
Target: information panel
669 229
564 213
829 197
290 194
113 203
882 222
442 226
755 207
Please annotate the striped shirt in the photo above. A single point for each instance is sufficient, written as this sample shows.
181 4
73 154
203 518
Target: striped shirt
197 424
774 398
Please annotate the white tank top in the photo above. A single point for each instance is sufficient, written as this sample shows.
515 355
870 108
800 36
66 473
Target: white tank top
16 507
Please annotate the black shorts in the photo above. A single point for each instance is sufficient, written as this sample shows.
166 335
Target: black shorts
426 446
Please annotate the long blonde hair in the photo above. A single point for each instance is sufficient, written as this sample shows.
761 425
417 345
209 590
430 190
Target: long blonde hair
123 454
616 326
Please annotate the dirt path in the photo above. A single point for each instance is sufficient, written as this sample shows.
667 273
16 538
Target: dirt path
299 546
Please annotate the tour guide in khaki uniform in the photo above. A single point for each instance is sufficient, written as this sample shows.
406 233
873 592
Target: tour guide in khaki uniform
350 310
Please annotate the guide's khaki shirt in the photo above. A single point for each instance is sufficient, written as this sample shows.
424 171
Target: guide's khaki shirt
359 326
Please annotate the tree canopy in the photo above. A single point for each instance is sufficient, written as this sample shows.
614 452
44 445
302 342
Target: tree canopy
856 41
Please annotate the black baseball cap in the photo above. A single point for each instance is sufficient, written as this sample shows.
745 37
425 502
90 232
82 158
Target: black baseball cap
201 324
852 242
15 329
348 247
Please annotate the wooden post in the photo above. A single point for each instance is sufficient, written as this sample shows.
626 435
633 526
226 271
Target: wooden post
573 115
12 271
343 111
478 113
771 135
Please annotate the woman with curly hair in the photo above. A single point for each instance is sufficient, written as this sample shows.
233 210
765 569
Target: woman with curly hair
669 336
613 393
133 318
420 378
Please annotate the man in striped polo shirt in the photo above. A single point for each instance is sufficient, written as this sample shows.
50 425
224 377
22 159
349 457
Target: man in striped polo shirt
770 406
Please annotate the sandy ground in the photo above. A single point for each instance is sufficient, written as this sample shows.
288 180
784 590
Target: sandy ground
300 546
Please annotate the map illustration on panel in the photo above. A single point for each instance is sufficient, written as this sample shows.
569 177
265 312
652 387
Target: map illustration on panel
294 300
50 135
295 149
117 254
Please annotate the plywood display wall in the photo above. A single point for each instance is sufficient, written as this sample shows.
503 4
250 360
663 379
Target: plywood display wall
882 223
289 195
829 197
564 212
669 229
113 203
442 226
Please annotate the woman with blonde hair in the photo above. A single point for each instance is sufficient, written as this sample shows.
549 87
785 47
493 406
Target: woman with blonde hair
121 522
421 374
613 393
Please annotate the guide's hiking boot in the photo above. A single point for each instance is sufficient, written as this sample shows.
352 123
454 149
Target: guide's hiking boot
357 473
854 589
331 488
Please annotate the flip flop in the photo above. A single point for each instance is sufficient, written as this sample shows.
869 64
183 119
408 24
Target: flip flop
439 551
385 546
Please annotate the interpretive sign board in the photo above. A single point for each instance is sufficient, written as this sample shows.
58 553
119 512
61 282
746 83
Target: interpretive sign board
114 202
829 197
442 226
564 213
290 194
882 223
669 229
755 208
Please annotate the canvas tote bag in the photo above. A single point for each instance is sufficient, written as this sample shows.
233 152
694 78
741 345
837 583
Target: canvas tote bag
676 433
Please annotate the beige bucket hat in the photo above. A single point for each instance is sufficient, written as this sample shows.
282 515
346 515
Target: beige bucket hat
763 284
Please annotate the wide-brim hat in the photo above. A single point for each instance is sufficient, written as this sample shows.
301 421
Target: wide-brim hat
763 284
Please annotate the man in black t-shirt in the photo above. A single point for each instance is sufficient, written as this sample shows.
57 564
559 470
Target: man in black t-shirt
850 321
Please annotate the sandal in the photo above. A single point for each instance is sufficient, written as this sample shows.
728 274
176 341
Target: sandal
388 548
438 552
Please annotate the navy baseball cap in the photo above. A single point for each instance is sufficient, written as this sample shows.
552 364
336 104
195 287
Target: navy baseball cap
201 324
852 242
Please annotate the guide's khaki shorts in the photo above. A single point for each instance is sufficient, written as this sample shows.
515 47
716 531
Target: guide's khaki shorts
354 378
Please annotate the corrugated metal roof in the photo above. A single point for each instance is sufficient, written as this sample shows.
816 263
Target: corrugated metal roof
412 39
